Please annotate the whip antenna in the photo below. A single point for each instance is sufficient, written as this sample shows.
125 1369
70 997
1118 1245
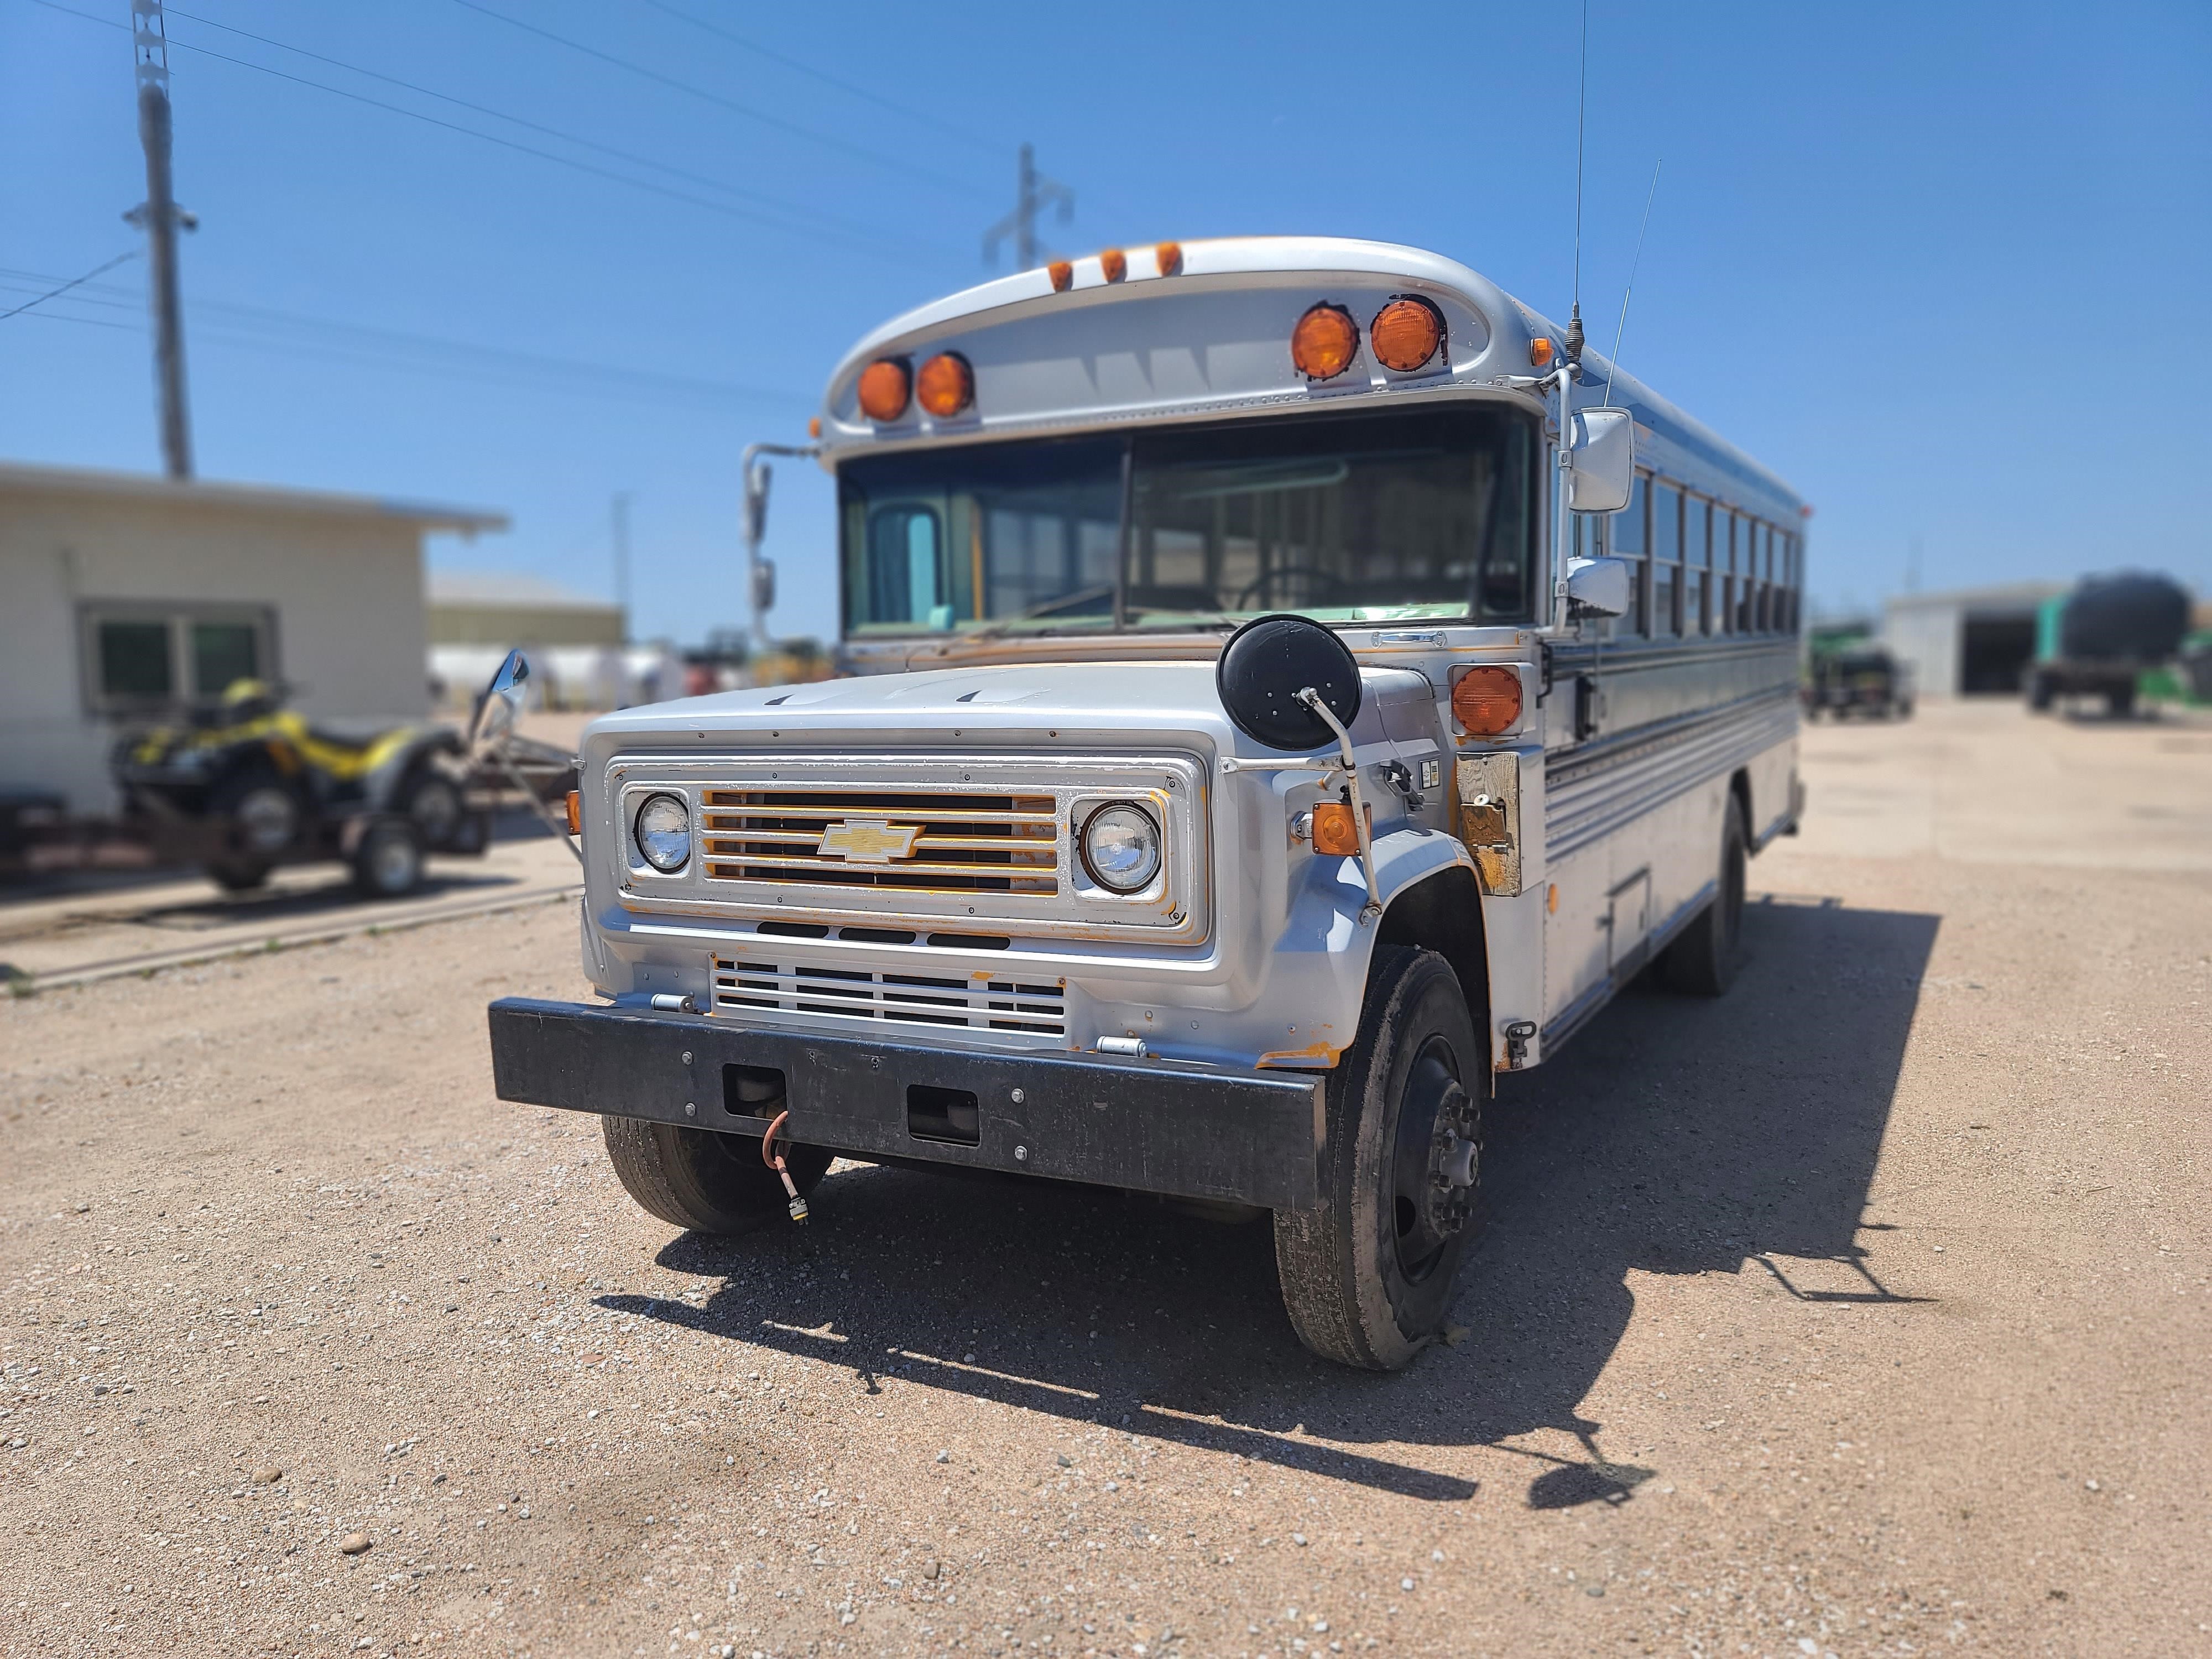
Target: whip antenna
1612 366
1582 103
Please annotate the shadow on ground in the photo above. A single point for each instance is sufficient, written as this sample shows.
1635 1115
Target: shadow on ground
1676 1136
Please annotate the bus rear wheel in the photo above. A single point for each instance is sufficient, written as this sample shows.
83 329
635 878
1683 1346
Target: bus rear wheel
1702 960
1369 1272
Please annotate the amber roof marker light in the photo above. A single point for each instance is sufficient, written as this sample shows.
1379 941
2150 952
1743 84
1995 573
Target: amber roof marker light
1113 264
945 386
1325 341
1540 353
1062 275
1405 334
1169 257
885 385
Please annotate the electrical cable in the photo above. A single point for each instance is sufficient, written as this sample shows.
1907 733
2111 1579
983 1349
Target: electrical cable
826 79
450 126
862 151
517 120
74 282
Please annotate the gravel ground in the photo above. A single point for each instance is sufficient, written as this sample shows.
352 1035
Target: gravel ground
1862 1311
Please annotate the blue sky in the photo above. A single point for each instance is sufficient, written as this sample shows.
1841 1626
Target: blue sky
1944 268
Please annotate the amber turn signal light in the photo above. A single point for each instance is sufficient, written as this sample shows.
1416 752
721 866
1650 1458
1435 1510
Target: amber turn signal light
1487 700
576 813
886 384
1540 354
1324 343
1169 256
1405 334
1333 830
945 386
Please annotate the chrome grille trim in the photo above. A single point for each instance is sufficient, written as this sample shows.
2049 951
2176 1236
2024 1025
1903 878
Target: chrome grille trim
750 985
993 849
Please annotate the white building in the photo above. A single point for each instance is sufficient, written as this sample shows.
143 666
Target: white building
1968 641
124 597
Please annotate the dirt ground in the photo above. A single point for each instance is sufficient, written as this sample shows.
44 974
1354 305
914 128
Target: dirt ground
1865 1310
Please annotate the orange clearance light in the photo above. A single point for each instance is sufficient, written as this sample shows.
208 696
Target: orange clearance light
1405 334
886 384
1487 700
1324 343
1169 256
1062 275
814 426
1333 830
576 813
945 386
1540 353
1114 265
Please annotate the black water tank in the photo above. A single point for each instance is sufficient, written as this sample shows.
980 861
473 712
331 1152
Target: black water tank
2131 614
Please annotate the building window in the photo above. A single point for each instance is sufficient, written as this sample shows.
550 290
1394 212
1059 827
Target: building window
141 658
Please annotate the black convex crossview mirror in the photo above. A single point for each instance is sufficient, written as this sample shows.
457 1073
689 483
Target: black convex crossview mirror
1265 664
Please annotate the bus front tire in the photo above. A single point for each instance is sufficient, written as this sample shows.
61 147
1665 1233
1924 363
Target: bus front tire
1369 1272
1702 960
704 1181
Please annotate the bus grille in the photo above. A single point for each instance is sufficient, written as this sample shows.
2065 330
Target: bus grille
961 843
904 999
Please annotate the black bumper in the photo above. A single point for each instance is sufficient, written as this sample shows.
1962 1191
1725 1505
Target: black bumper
1152 1125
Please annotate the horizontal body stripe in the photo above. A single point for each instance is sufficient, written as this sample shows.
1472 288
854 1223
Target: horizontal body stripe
1592 790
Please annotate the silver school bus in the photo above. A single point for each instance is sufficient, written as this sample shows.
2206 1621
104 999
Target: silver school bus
1261 738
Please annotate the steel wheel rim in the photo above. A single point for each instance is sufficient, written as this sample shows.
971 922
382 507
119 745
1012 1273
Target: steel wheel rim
1429 1080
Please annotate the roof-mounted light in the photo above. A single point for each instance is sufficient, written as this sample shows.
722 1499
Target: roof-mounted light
1113 264
1062 275
1405 334
1169 257
1325 341
945 386
885 385
1540 353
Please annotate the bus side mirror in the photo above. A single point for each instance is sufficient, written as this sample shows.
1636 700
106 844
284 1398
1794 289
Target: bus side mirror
1602 471
1598 588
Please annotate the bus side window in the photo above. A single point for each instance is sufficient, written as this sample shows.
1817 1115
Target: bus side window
1666 561
905 565
1723 575
1697 577
1625 540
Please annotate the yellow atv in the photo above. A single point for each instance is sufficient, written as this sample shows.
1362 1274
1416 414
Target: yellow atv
251 784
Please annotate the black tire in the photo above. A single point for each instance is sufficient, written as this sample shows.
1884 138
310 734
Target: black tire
387 860
702 1180
260 814
1702 960
2120 701
2042 692
238 875
1369 1273
433 801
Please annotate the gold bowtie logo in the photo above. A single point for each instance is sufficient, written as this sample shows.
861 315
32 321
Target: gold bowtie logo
869 841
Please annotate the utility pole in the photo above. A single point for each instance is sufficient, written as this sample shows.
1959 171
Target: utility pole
1034 193
160 216
621 557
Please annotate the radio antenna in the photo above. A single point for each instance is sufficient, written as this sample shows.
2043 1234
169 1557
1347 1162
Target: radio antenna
1613 365
1582 103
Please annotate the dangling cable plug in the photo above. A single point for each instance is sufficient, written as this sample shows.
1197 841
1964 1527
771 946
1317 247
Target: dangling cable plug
773 1159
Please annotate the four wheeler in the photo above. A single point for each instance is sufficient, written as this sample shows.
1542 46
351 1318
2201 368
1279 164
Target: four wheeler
249 785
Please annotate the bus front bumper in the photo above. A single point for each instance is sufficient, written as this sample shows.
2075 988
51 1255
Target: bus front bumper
1152 1125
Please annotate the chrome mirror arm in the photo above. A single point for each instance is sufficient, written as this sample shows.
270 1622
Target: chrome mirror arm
497 750
1312 699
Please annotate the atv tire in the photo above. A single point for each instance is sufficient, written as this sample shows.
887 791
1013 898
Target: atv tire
433 801
387 862
238 875
702 1180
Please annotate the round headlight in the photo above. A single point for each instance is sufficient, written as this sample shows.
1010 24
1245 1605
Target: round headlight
663 833
1121 847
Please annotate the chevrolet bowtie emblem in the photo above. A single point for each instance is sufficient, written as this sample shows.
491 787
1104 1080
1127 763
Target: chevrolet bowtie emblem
869 841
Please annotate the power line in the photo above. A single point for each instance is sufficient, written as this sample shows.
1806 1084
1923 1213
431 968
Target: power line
73 281
517 120
826 79
860 151
352 342
488 138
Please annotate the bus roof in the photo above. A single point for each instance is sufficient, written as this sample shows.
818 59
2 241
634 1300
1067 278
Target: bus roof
1209 337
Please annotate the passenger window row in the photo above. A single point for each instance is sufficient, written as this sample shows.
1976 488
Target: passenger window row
1702 567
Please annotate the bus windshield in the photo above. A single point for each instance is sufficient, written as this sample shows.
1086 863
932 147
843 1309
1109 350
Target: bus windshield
1426 514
